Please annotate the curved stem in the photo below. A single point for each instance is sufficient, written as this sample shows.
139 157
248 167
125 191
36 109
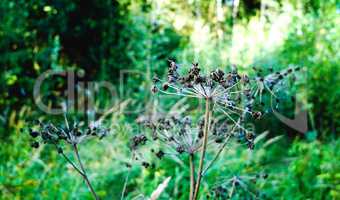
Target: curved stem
88 183
204 146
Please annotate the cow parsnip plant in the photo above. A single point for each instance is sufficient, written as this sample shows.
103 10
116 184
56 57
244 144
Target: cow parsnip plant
60 136
235 96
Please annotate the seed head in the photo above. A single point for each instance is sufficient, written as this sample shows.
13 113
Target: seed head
160 154
35 144
154 89
34 134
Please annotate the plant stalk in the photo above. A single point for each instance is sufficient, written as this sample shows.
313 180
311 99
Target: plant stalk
73 165
127 177
216 156
88 183
192 176
204 146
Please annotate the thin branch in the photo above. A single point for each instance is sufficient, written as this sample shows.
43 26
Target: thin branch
216 156
73 165
75 148
232 188
127 177
69 161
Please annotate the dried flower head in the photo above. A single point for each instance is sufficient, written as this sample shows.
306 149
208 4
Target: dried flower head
231 91
237 97
238 186
48 133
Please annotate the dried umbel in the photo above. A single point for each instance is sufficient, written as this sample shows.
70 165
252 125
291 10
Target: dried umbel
48 133
237 97
239 186
224 89
62 135
181 135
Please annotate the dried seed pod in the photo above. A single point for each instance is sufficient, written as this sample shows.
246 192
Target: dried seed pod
195 70
250 136
199 80
165 86
217 75
138 140
145 164
128 165
247 92
180 149
155 79
187 120
154 89
229 77
265 175
172 65
34 134
78 133
257 115
35 144
160 154
200 133
172 78
245 78
170 139
219 140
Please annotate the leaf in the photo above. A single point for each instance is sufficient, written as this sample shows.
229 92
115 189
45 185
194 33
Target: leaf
155 194
261 137
272 140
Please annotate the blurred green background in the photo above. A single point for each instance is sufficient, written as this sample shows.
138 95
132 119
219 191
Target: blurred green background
102 37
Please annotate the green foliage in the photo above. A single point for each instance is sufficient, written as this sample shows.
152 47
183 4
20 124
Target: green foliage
313 173
102 37
312 43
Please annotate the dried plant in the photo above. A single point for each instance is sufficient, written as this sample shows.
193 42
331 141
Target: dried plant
60 136
236 97
227 188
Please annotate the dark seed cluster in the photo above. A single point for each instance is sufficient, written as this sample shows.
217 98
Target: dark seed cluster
237 96
181 135
138 140
231 92
48 133
58 136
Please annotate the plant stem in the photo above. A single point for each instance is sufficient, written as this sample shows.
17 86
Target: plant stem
232 188
216 156
88 183
127 177
73 165
192 176
204 146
